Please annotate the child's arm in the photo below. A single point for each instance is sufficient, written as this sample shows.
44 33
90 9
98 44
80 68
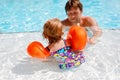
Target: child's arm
46 59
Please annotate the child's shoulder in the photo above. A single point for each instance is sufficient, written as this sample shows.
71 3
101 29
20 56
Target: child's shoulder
56 46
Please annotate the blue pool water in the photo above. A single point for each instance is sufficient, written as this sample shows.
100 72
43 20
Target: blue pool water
30 15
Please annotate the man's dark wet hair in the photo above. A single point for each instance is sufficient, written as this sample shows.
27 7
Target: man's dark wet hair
73 4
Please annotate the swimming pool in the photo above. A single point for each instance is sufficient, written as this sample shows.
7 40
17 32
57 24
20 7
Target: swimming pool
30 15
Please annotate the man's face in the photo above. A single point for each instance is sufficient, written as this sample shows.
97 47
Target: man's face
74 15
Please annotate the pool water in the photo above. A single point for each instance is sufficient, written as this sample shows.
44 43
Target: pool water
30 15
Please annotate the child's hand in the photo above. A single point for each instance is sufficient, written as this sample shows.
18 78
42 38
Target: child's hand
78 51
92 40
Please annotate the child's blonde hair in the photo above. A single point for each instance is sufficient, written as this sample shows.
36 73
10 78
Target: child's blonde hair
52 30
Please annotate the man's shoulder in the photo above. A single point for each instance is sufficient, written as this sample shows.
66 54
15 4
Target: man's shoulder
65 22
89 20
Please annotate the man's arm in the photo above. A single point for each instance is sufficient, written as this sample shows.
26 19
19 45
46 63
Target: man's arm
97 32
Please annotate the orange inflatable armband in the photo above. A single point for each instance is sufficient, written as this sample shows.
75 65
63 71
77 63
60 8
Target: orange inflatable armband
37 50
77 36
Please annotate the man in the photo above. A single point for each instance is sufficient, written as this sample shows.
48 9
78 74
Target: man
74 9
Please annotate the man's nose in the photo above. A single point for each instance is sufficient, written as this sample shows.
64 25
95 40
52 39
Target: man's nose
73 16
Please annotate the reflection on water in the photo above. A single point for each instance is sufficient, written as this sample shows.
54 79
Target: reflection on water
26 16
